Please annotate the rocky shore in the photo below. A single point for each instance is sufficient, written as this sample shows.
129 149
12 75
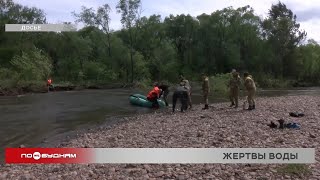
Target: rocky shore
220 126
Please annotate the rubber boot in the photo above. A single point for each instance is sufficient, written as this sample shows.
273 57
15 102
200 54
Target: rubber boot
236 106
272 125
281 122
205 107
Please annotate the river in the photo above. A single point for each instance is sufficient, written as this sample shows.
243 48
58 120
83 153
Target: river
31 118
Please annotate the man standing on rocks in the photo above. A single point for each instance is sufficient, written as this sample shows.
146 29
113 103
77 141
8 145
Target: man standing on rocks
205 90
251 88
188 87
234 88
180 93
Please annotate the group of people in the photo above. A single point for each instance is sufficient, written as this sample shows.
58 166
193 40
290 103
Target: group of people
234 87
183 92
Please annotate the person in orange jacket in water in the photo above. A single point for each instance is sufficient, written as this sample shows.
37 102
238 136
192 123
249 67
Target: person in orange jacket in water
154 95
49 84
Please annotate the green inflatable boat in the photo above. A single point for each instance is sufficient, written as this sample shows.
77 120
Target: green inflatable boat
141 100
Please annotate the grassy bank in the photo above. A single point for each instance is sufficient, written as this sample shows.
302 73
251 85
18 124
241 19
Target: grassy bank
9 88
218 85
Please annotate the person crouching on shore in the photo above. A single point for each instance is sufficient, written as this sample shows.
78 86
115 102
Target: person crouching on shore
165 92
154 95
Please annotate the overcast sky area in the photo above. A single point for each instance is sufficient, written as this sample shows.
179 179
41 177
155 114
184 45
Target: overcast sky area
58 11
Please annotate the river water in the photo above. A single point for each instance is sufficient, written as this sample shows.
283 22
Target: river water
29 119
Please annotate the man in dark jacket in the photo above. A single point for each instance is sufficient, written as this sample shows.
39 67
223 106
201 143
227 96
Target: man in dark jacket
165 92
180 93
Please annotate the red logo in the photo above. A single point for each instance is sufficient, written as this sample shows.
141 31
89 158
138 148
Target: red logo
48 155
37 156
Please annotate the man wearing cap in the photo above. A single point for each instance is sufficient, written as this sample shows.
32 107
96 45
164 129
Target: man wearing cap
234 88
251 88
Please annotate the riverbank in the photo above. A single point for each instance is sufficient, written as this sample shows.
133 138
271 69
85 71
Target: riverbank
218 127
218 85
60 87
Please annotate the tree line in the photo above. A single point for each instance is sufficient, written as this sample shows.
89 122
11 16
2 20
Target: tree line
155 48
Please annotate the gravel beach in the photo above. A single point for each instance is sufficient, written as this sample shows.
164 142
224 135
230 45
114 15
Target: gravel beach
220 126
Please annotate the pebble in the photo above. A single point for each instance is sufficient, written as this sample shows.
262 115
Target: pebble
112 169
159 174
288 177
52 177
74 173
55 170
143 171
312 136
3 175
146 176
182 177
273 170
25 177
147 167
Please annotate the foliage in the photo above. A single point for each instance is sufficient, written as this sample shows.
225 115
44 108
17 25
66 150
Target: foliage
130 15
33 65
268 81
219 84
282 31
100 19
156 48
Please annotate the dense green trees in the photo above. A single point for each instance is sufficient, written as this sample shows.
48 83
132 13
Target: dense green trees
156 48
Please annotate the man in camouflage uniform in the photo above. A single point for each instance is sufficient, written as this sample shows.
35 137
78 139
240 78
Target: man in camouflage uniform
234 87
188 87
205 90
251 88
